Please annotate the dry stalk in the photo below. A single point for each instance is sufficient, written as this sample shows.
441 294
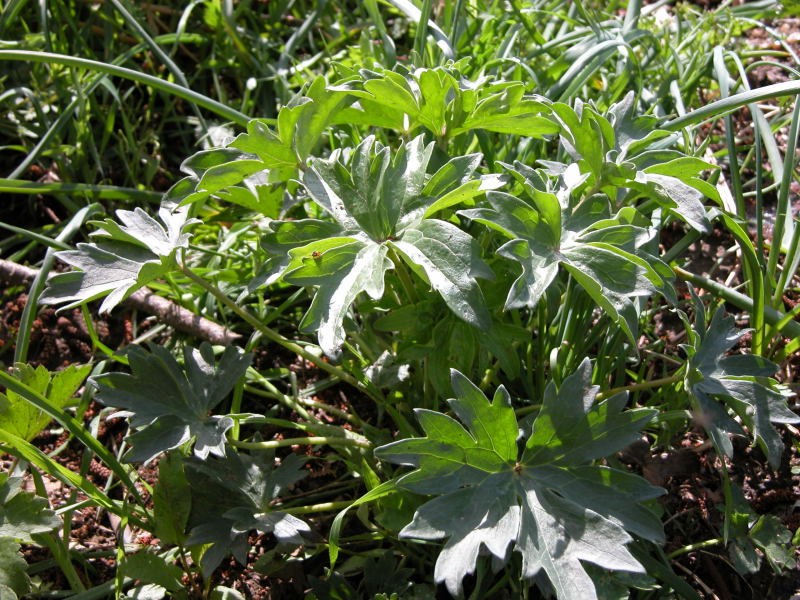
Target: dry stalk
146 301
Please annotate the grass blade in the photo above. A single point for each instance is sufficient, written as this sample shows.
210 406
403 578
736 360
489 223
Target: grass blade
771 316
156 49
724 80
731 103
422 29
10 12
36 237
30 310
389 50
755 281
25 450
583 68
162 85
413 13
74 427
783 209
86 190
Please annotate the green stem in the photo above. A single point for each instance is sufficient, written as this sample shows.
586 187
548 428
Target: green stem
674 415
62 559
405 278
526 410
788 317
315 508
273 335
635 387
95 339
57 545
300 441
332 410
693 547
541 349
773 317
272 392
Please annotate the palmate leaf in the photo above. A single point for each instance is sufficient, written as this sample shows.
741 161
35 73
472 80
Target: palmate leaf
14 581
168 403
749 531
234 176
549 502
246 170
231 496
615 152
23 514
126 257
443 102
23 419
381 202
739 381
341 271
603 252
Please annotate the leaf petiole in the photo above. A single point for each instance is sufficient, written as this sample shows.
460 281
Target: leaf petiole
299 441
405 278
315 508
692 547
274 336
644 385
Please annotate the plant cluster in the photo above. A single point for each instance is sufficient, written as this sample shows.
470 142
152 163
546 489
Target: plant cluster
495 206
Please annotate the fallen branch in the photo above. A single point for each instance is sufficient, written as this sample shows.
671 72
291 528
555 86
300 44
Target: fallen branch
146 301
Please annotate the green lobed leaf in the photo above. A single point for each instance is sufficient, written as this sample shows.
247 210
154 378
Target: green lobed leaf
233 176
23 419
551 504
632 131
772 537
23 514
172 502
683 198
602 253
613 280
451 262
379 200
127 257
199 162
740 384
232 496
265 144
341 272
227 174
313 116
585 134
509 111
373 192
614 150
444 102
168 403
14 581
153 569
106 269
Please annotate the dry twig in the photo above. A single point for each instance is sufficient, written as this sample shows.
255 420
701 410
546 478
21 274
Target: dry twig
145 300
